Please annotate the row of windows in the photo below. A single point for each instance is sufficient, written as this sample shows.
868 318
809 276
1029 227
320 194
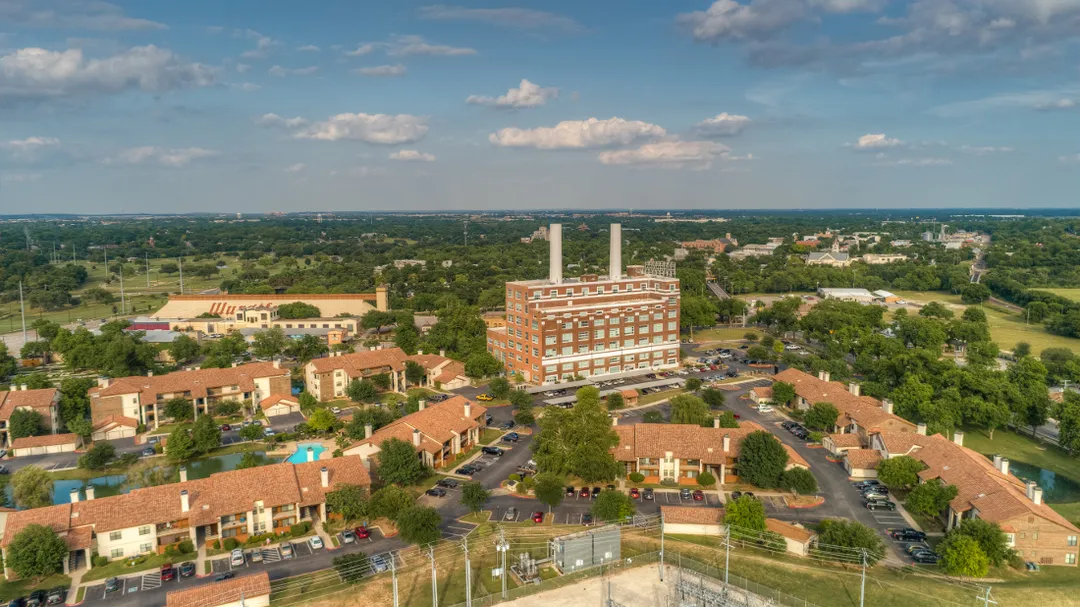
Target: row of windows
600 290
567 373
119 552
615 360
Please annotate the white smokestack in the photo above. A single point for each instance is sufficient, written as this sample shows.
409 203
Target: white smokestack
615 263
555 255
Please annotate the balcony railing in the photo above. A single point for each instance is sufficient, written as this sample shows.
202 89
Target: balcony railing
174 527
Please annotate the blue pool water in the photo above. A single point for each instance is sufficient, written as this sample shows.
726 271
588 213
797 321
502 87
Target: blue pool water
300 456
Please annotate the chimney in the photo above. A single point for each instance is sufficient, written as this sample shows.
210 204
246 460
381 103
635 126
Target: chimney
372 348
997 461
183 474
74 495
89 493
1004 465
854 388
419 352
716 422
555 253
12 387
614 421
958 438
886 405
727 235
324 475
102 382
277 364
185 505
22 388
468 410
727 443
416 437
1031 490
149 373
367 430
310 454
615 261
1036 496
442 353
234 364
823 375
422 404
920 429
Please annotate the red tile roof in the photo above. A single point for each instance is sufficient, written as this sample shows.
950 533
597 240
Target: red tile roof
863 459
47 440
275 399
228 592
863 410
437 424
791 531
37 399
846 440
196 381
118 420
356 363
692 516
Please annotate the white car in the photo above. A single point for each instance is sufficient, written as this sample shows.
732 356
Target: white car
236 558
792 347
335 410
315 542
765 409
724 355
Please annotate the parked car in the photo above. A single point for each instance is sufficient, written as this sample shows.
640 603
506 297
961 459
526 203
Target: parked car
448 483
111 585
436 492
228 575
570 492
907 534
168 572
511 514
37 599
880 505
874 496
237 558
256 556
225 427
315 542
335 410
56 596
925 558
685 494
648 494
586 519
379 563
595 492
348 537
584 492
287 551
735 495
764 408
492 451
467 470
699 495
866 483
538 517
511 438
361 532
485 397
733 373
876 488
749 494
913 548
634 493
18 602
148 452
188 569
268 432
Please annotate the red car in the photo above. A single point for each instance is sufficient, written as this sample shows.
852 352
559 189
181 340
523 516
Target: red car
634 493
225 427
584 492
538 517
167 572
699 495
361 533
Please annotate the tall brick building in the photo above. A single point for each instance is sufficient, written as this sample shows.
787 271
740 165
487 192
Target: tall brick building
591 325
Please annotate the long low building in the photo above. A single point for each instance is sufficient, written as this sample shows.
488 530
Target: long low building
861 415
328 378
438 432
237 504
229 305
244 591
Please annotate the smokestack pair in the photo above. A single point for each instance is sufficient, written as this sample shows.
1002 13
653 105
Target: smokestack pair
555 263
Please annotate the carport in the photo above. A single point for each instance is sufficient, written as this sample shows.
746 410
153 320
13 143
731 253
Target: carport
114 427
44 445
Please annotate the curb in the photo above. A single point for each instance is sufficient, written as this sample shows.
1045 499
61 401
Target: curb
822 501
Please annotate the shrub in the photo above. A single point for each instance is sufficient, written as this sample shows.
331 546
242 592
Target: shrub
299 529
170 551
705 479
186 547
514 477
159 448
231 543
528 482
637 477
669 482
216 544
99 561
816 436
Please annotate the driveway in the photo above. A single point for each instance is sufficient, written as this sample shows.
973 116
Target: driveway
285 423
52 461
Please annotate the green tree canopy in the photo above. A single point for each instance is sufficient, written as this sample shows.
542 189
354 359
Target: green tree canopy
474 496
615 401
799 481
180 447
930 498
783 392
32 487
184 349
269 343
36 552
549 490
398 463
389 501
26 422
689 409
577 441
350 501
205 435
962 556
762 459
613 506
899 472
989 536
179 409
298 309
851 534
419 525
98 456
714 397
322 420
362 391
745 512
822 416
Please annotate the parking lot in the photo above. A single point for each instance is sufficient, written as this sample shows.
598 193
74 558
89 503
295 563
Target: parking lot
222 564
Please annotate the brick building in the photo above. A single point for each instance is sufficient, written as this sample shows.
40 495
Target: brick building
328 378
44 402
558 328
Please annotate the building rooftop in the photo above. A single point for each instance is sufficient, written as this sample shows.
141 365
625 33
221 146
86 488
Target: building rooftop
47 440
863 410
37 399
691 515
687 441
792 531
437 424
196 381
228 592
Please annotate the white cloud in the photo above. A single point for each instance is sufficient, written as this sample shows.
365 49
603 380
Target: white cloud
31 146
275 120
19 177
309 48
263 44
242 68
984 150
667 154
363 49
36 73
299 167
249 87
166 157
1058 98
382 129
413 156
522 18
73 14
722 125
409 46
1069 159
578 134
727 19
876 141
382 70
916 162
526 95
282 72
367 171
215 29
1056 104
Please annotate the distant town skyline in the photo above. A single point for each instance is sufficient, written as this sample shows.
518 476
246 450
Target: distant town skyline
126 107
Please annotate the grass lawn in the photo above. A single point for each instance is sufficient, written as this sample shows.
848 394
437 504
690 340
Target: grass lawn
490 435
648 399
21 588
1073 294
480 517
723 334
119 567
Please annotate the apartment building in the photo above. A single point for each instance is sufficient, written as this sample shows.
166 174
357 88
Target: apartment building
328 378
883 258
833 259
860 415
757 250
989 491
140 398
715 245
44 402
239 504
227 306
558 328
439 432
682 452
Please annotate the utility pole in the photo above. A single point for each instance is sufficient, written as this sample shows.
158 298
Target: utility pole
862 589
393 576
106 251
468 574
434 579
727 553
181 274
662 540
147 270
502 546
123 302
22 312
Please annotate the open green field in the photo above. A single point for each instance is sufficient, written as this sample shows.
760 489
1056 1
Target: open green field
723 334
1073 294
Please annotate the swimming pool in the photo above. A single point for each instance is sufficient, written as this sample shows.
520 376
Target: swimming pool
301 456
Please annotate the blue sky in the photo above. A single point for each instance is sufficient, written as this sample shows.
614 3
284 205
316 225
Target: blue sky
245 106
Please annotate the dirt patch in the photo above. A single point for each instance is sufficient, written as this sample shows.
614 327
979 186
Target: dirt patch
804 501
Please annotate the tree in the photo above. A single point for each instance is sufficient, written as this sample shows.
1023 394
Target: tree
499 387
269 342
74 400
398 463
250 433
1031 403
783 393
615 401
1021 349
482 364
81 426
549 490
714 397
298 309
962 556
419 525
821 416
693 384
179 409
350 501
32 487
974 293
689 409
850 534
414 372
577 441
351 568
26 422
97 457
524 417
323 420
1068 416
936 309
930 498
696 311
226 408
183 349
989 536
762 460
389 501
727 419
653 417
169 268
613 506
381 381
248 460
758 353
799 481
362 390
474 496
521 399
205 435
36 552
307 348
180 447
745 512
376 319
899 472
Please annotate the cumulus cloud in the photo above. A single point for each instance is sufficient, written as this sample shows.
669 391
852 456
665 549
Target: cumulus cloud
578 134
248 87
309 48
722 125
1055 104
1069 159
275 120
730 20
412 156
282 72
263 44
72 14
984 150
166 157
667 154
242 68
31 146
361 50
526 95
876 141
522 18
293 169
409 46
383 71
916 162
37 73
384 129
